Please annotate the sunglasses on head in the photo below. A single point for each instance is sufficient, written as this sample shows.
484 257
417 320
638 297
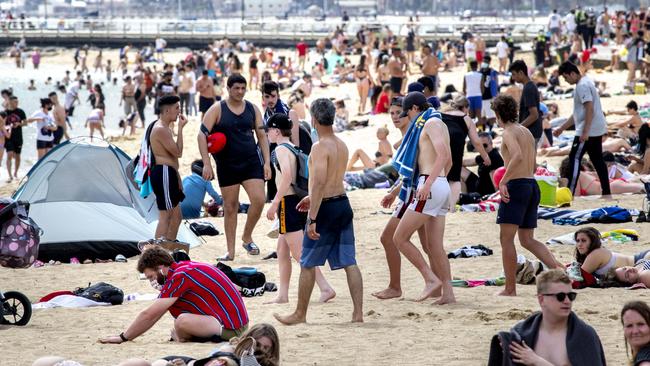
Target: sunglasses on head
560 296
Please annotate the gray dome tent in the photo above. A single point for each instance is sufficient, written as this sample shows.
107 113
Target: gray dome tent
82 198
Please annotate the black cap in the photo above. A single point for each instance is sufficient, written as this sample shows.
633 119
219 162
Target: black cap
280 121
411 99
168 99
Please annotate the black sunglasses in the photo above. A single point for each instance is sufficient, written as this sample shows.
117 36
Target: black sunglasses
485 146
560 296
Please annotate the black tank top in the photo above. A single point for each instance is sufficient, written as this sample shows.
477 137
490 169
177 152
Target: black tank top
238 128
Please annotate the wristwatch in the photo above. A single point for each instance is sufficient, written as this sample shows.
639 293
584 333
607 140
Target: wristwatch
123 337
310 221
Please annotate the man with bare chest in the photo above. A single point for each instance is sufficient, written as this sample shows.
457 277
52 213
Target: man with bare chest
397 69
205 87
430 67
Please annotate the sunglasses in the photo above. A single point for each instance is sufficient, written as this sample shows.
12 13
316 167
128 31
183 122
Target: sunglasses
485 146
560 296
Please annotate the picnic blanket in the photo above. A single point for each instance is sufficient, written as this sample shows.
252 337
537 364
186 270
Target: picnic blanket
489 204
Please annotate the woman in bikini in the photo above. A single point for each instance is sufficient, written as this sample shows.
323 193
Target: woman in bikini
596 259
361 75
589 185
96 122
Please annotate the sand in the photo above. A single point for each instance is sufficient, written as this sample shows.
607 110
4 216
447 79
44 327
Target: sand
395 332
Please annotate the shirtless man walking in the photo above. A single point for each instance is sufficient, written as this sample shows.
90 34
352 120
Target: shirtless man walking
519 193
165 180
58 112
430 67
330 234
397 70
205 87
431 160
128 96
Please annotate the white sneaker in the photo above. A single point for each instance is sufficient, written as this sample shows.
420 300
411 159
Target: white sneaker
275 230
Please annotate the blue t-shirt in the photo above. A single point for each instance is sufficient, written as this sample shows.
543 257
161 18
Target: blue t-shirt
195 187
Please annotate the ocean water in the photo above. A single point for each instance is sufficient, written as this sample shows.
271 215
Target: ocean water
29 101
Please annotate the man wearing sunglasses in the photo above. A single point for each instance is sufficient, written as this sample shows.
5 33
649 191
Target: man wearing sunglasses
554 336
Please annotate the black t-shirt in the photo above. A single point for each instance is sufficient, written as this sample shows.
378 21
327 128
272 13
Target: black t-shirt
15 118
530 98
643 355
485 185
486 94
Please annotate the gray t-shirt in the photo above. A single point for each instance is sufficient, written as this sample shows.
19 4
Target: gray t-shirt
586 92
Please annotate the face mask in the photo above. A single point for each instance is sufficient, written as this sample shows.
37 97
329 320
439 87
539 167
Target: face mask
49 108
484 65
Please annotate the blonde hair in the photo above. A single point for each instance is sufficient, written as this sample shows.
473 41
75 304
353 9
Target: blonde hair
551 276
383 129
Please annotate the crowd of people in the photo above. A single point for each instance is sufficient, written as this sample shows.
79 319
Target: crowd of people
500 110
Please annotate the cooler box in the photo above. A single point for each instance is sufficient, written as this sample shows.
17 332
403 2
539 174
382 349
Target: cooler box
547 188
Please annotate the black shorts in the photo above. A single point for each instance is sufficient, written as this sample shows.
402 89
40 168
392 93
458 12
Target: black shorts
205 104
166 185
290 218
396 84
14 146
235 172
58 135
69 111
521 210
44 144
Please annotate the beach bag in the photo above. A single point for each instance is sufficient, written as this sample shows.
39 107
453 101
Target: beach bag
301 184
101 292
201 228
19 236
611 215
249 280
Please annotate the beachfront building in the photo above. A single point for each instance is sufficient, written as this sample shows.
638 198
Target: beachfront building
257 8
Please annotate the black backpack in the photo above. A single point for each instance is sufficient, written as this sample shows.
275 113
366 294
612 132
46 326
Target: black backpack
251 284
101 292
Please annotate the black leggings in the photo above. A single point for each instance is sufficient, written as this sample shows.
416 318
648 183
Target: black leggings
594 147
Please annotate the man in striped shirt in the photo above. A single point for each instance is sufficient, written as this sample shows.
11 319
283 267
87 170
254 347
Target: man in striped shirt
201 298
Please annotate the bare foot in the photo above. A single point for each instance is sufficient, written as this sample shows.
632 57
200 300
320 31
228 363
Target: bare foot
327 295
446 299
507 293
278 300
290 319
429 289
389 293
357 317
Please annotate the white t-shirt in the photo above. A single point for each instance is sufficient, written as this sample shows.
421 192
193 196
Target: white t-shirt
70 95
190 75
554 21
473 84
160 43
470 50
43 134
570 21
586 92
502 49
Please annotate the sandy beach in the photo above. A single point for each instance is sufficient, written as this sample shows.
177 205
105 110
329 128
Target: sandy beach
395 332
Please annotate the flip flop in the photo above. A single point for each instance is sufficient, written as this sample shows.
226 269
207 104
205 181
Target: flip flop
225 258
272 255
252 248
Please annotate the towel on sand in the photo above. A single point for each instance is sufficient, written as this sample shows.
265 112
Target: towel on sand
580 336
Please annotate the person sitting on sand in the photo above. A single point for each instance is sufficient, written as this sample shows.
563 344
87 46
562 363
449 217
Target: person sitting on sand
382 156
195 188
629 127
613 145
341 117
551 336
205 304
588 183
597 260
635 318
641 164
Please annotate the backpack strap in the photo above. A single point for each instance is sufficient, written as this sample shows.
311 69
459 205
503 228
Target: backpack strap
296 153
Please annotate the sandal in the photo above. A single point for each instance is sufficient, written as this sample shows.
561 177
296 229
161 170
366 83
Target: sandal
252 248
272 255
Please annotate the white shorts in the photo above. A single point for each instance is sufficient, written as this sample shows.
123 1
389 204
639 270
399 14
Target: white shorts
401 207
437 204
487 111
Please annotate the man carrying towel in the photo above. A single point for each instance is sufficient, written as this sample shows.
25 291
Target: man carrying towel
423 160
554 336
205 304
329 232
520 194
165 180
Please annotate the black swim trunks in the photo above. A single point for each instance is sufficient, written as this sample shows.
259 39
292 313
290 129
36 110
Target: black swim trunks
205 104
396 84
58 135
43 144
521 210
167 186
291 219
235 172
14 146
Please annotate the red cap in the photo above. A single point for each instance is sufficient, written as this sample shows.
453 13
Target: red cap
216 142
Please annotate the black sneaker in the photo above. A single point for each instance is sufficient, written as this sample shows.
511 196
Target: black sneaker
641 217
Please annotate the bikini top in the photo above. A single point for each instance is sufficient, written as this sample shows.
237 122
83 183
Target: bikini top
604 269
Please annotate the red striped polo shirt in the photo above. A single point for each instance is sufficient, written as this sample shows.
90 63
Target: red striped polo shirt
202 289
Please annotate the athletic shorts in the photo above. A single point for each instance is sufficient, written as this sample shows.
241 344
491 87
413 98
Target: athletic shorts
235 172
167 186
291 220
58 135
212 73
69 111
486 110
437 203
396 84
336 242
44 144
521 210
14 146
401 207
475 103
205 104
